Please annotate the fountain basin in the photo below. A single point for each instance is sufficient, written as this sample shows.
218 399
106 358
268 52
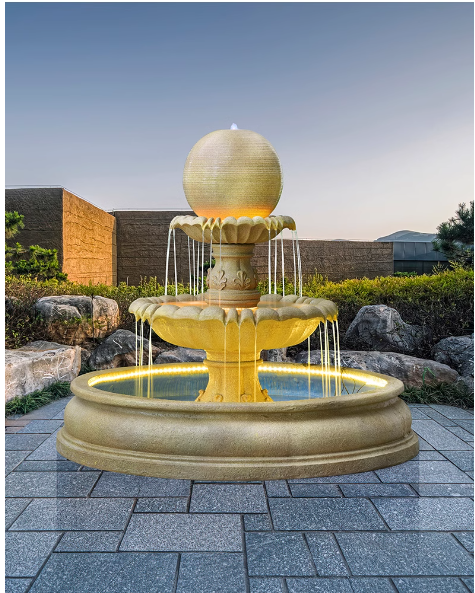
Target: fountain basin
236 441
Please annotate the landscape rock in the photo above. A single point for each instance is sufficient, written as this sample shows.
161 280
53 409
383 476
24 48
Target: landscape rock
180 355
118 350
381 328
457 352
410 370
275 355
72 319
38 365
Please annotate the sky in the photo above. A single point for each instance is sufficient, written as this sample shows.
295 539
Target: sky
368 105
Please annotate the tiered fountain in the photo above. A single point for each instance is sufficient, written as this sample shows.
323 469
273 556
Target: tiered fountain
233 416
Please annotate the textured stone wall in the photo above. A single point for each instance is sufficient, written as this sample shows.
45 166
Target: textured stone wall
89 242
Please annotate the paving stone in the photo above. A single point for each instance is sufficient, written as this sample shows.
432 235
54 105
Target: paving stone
466 424
26 552
13 508
48 466
277 488
468 583
17 585
257 522
13 459
466 539
266 585
211 573
420 414
362 478
461 433
278 554
430 472
65 514
404 554
228 498
179 532
23 442
12 429
111 484
429 585
46 451
13 421
41 426
428 456
314 490
439 418
438 514
444 489
438 436
89 541
424 445
49 484
107 573
326 555
322 514
318 585
452 412
365 490
462 459
49 411
161 505
59 416
371 585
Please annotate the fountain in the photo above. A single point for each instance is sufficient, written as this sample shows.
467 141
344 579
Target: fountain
234 416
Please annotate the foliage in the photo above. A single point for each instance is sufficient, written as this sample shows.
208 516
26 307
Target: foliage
405 274
449 394
13 224
455 237
32 401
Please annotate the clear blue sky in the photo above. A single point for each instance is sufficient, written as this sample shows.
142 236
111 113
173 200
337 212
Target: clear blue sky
369 105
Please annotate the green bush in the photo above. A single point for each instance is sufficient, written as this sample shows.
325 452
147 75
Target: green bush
32 401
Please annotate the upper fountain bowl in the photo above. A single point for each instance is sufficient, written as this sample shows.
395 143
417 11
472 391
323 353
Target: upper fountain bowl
232 173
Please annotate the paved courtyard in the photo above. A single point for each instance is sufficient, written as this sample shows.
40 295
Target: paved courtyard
404 529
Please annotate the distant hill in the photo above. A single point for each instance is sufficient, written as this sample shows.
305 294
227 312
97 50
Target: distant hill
409 236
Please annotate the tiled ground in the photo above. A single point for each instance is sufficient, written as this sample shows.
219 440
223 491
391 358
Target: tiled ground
404 529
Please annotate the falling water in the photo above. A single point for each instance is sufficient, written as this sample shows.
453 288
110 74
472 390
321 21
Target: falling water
189 260
283 273
295 266
149 385
136 343
338 361
211 250
270 265
203 262
197 271
174 260
255 361
141 360
239 360
299 263
308 365
275 264
166 265
194 269
220 260
224 358
327 361
321 358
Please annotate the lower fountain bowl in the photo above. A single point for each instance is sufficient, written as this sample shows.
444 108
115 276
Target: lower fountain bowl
176 438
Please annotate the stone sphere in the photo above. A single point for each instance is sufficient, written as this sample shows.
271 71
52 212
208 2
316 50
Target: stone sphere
232 173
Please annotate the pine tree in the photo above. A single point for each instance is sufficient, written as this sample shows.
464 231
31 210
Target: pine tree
455 237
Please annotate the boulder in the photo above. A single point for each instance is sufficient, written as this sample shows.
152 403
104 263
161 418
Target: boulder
457 352
275 355
378 327
72 319
118 350
410 370
38 365
180 355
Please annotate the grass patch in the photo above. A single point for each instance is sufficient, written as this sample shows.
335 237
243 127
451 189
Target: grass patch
37 399
447 394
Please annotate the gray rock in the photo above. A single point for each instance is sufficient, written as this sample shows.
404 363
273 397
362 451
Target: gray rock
118 350
381 328
275 355
39 365
180 355
410 370
72 319
456 352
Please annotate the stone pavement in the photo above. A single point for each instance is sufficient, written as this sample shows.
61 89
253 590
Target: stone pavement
404 529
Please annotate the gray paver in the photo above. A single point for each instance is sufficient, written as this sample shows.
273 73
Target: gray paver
211 573
319 585
49 411
122 485
13 508
257 523
424 445
444 489
326 555
468 583
17 585
466 539
165 532
278 554
277 488
405 554
41 426
64 514
430 472
49 484
266 585
107 573
47 449
89 541
23 442
371 585
48 466
364 490
466 424
301 514
452 412
362 478
432 414
228 498
442 514
13 459
428 456
461 433
429 585
419 414
26 552
438 436
161 505
314 490
462 459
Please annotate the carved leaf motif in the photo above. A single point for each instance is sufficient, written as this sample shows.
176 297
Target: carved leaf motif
242 281
217 280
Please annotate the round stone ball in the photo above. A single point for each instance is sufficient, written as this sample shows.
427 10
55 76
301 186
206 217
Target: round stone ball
232 173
